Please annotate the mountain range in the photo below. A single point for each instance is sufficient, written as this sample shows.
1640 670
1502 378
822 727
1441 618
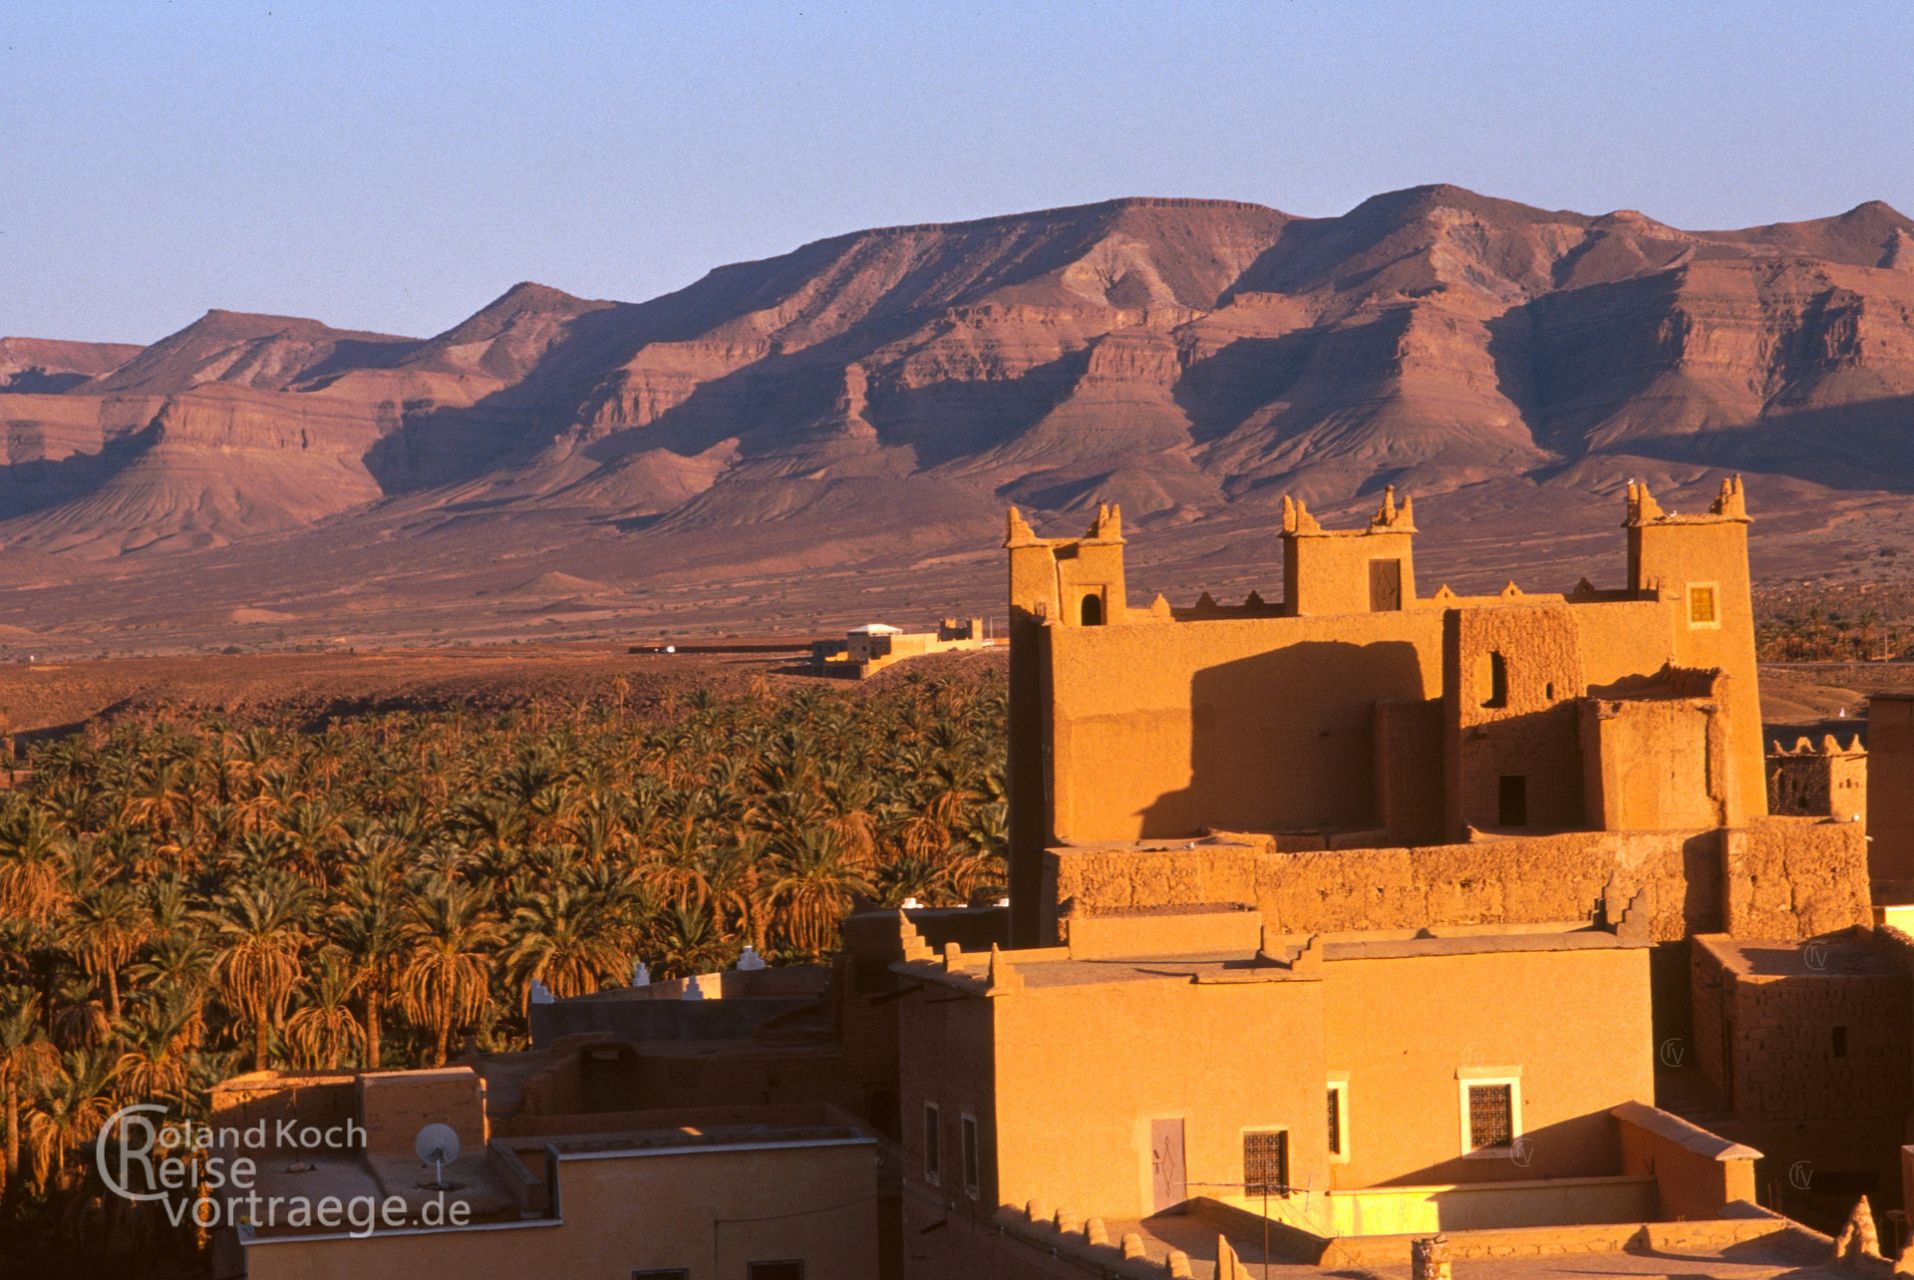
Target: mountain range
786 443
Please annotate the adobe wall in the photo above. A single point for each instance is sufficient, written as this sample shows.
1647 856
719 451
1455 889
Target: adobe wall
1499 880
1160 729
1818 781
1404 1029
1787 878
1890 786
1794 878
1530 731
692 1209
325 1101
395 1105
1697 1174
1680 554
1099 1062
1328 571
1780 1030
1166 728
1652 764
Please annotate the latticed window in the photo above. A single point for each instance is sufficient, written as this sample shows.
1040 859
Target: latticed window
1491 1116
1701 606
1266 1163
1335 1121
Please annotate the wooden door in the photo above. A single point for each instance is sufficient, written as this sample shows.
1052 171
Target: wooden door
1169 1186
1385 586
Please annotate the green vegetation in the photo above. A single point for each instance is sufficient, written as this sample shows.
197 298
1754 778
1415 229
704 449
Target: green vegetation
1815 633
184 899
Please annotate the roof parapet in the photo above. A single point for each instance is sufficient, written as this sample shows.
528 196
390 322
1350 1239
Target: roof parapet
1730 504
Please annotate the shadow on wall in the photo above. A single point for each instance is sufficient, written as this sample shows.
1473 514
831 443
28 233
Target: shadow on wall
1585 1146
1285 740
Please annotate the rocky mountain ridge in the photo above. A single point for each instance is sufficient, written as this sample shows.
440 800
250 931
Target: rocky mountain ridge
893 388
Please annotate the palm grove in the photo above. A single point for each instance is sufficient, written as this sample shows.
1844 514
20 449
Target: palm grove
183 899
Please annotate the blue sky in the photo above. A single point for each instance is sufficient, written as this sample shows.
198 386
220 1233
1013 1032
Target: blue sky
395 166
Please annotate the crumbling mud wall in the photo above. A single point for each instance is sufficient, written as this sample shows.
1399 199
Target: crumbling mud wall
1794 878
1787 878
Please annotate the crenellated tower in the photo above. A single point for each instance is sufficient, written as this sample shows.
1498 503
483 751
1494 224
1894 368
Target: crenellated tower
1069 582
1702 562
1367 570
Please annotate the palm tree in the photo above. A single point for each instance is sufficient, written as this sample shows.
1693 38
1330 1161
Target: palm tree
160 1038
366 927
33 853
322 1032
447 973
105 928
260 931
813 888
557 938
687 941
74 1101
27 1061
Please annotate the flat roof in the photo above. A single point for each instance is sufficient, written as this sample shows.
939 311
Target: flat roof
1056 967
1854 953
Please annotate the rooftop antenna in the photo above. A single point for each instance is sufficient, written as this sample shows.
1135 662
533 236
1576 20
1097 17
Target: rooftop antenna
437 1144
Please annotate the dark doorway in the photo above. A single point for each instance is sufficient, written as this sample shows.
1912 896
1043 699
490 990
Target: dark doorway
1385 585
1512 800
1092 610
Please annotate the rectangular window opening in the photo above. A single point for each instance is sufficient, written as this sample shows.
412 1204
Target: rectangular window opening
1336 1121
1840 1042
1491 1116
1266 1163
1702 606
1512 800
933 1143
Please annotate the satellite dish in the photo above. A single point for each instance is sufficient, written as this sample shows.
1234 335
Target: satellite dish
437 1144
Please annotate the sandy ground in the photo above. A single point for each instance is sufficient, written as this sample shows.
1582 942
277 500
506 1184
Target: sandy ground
52 697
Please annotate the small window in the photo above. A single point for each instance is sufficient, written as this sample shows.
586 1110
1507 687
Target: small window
1840 1042
973 1176
1338 1120
1266 1163
1493 676
1092 610
1512 800
933 1153
1702 610
662 1273
790 1269
1491 1116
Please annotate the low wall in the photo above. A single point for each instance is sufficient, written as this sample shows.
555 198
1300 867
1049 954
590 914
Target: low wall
1696 1173
1703 1237
1628 1198
270 1097
1776 878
